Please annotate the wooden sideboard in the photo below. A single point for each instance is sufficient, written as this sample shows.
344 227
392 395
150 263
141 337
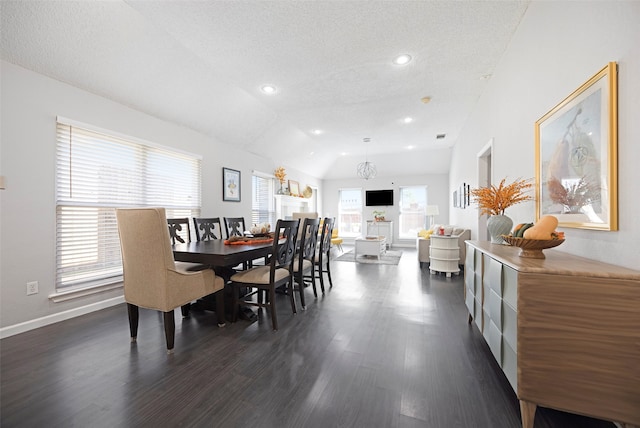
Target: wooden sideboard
565 329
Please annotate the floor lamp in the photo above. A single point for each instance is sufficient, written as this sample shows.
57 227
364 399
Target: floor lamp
431 211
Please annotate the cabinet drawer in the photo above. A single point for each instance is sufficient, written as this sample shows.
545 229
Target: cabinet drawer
495 309
510 326
510 286
494 339
470 303
495 276
510 366
470 257
479 315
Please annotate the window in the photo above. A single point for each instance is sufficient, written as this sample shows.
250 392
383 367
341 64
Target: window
262 206
413 204
97 172
350 213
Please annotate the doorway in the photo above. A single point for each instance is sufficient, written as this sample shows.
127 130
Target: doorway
485 168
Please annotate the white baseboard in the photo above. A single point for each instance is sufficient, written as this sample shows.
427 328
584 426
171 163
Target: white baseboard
61 316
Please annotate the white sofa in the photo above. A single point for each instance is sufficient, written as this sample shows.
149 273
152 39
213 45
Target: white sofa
422 244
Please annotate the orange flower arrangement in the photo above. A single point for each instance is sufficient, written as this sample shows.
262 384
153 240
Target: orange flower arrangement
494 200
280 174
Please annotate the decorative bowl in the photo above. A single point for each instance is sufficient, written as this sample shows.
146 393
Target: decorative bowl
532 248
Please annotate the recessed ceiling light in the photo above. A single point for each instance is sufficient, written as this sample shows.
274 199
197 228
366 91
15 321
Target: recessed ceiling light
344 153
268 89
402 59
408 119
317 131
411 147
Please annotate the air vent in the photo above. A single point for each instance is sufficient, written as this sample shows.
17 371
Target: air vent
440 136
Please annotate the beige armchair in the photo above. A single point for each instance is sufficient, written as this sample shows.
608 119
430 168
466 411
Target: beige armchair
151 279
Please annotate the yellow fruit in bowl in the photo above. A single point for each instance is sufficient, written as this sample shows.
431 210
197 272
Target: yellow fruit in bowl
542 229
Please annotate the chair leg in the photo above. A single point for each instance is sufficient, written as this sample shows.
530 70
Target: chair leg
272 305
133 310
301 290
292 297
186 310
236 302
313 280
329 273
169 330
220 308
321 272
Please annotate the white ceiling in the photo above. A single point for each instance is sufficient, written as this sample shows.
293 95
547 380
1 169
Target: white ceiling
201 64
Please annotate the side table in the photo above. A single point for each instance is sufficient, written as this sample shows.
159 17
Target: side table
444 255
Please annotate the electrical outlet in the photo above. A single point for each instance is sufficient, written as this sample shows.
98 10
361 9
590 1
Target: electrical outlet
32 288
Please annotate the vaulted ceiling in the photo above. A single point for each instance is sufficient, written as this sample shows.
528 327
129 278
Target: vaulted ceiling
202 64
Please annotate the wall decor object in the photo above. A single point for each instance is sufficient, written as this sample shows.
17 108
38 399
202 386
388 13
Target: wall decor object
230 185
577 158
294 188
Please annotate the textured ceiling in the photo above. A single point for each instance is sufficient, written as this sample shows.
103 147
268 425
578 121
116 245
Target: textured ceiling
201 64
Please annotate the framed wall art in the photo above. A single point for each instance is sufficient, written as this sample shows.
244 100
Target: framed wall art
576 156
294 188
230 185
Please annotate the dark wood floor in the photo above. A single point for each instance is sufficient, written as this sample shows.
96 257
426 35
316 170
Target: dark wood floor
388 346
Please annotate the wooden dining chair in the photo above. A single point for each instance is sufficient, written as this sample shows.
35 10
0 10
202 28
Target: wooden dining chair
304 262
277 273
207 228
323 259
152 279
179 230
234 226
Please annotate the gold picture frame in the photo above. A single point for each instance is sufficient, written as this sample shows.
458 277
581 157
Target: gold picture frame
576 156
294 188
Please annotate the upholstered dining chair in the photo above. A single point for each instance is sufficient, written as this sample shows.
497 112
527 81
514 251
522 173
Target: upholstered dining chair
151 278
278 272
179 230
207 228
304 262
322 259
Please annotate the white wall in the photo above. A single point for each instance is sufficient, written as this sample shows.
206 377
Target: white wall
556 48
30 104
437 193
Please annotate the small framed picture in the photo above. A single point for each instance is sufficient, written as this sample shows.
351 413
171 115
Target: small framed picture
230 185
294 188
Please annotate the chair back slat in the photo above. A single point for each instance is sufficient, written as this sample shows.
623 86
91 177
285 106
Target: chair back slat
284 244
309 239
234 226
207 229
179 230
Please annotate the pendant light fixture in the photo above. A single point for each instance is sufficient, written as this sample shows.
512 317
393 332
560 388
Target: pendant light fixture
367 169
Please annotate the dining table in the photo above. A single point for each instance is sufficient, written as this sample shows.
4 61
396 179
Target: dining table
222 256
217 253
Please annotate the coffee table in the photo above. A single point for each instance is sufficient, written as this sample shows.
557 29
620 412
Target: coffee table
370 246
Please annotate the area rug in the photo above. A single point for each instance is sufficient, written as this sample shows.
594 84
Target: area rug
389 258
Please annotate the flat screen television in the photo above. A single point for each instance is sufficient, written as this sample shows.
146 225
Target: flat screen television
375 198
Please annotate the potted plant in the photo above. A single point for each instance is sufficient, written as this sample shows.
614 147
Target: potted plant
378 215
494 200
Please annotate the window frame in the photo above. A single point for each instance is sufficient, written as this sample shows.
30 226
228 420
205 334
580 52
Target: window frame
97 171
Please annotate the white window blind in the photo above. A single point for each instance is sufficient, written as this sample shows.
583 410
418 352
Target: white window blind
262 204
95 173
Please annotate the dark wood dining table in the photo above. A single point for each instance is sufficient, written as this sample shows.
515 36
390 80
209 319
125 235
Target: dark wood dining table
222 257
218 254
